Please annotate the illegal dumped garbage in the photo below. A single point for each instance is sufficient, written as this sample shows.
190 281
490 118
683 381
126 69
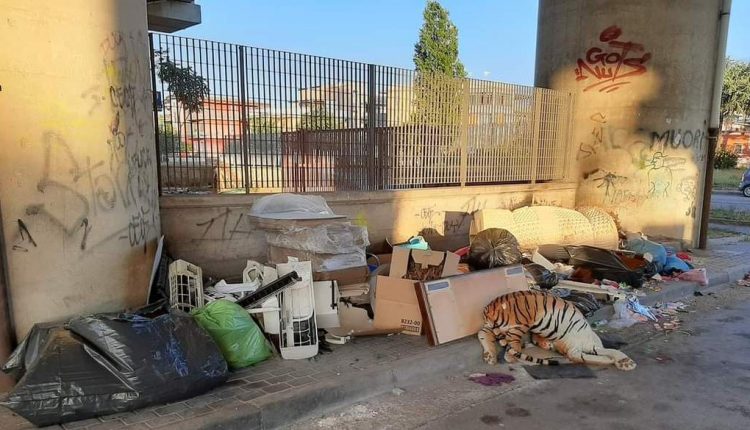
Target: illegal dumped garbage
585 302
103 364
536 225
598 263
544 278
638 243
305 227
493 247
234 331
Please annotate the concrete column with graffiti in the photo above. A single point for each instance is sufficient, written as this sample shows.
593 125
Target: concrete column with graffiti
77 164
642 73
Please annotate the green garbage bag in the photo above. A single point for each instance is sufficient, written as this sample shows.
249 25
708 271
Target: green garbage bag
234 331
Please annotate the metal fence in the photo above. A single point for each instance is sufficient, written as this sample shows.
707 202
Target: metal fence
279 121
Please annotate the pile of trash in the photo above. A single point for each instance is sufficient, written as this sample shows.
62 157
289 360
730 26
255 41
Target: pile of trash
104 364
318 287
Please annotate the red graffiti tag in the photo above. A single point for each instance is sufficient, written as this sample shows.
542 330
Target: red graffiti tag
610 67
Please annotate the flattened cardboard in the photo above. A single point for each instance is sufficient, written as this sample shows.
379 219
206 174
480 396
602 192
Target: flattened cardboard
400 261
452 307
396 306
353 275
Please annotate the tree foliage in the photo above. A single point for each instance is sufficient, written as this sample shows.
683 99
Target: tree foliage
188 87
725 160
170 142
735 94
317 119
440 75
263 125
436 51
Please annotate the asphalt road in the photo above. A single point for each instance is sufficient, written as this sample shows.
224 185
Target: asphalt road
730 201
695 378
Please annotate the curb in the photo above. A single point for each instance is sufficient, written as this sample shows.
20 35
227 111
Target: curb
727 191
275 411
727 221
271 412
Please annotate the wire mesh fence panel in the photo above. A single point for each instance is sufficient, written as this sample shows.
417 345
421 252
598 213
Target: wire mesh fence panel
238 119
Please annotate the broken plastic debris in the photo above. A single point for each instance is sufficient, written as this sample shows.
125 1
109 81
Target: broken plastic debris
635 306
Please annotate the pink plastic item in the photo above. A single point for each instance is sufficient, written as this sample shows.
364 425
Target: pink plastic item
695 275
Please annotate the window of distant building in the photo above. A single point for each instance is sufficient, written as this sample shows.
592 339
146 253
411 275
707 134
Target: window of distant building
738 148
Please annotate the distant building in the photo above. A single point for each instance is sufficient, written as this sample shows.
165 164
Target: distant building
735 137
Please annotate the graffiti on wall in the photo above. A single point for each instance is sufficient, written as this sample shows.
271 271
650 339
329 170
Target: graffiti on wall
225 226
75 192
609 67
657 170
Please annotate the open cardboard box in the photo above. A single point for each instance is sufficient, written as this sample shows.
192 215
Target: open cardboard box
396 305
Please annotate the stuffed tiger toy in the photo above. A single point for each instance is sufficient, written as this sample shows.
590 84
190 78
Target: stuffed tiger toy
553 324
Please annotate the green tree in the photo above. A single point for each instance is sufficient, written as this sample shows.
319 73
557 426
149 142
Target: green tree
186 86
440 76
735 94
725 160
263 125
170 142
436 51
317 119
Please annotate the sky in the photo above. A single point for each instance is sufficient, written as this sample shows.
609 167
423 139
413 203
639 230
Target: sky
497 38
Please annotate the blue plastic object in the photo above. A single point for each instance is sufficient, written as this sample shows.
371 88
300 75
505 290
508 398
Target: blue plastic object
675 263
416 242
657 250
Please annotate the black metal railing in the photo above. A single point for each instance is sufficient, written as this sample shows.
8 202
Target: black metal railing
280 121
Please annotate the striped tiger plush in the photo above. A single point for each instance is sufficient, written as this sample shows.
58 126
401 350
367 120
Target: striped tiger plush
553 323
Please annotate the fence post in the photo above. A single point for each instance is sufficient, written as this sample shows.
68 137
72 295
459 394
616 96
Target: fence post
464 130
536 127
371 124
243 119
156 112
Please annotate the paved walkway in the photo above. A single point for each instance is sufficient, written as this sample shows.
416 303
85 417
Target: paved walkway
264 395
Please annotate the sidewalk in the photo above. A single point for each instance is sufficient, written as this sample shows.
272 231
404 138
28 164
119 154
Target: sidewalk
278 392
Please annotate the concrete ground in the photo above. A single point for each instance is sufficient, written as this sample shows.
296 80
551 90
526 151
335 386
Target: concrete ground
694 378
730 200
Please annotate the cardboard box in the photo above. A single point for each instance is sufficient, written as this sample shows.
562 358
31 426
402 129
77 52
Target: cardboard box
355 322
396 306
395 303
452 308
425 258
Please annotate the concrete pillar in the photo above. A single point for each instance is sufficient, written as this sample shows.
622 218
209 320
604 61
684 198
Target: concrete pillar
642 72
77 157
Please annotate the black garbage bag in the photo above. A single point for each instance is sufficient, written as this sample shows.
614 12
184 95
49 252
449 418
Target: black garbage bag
585 302
103 364
554 253
493 247
605 264
28 351
544 278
